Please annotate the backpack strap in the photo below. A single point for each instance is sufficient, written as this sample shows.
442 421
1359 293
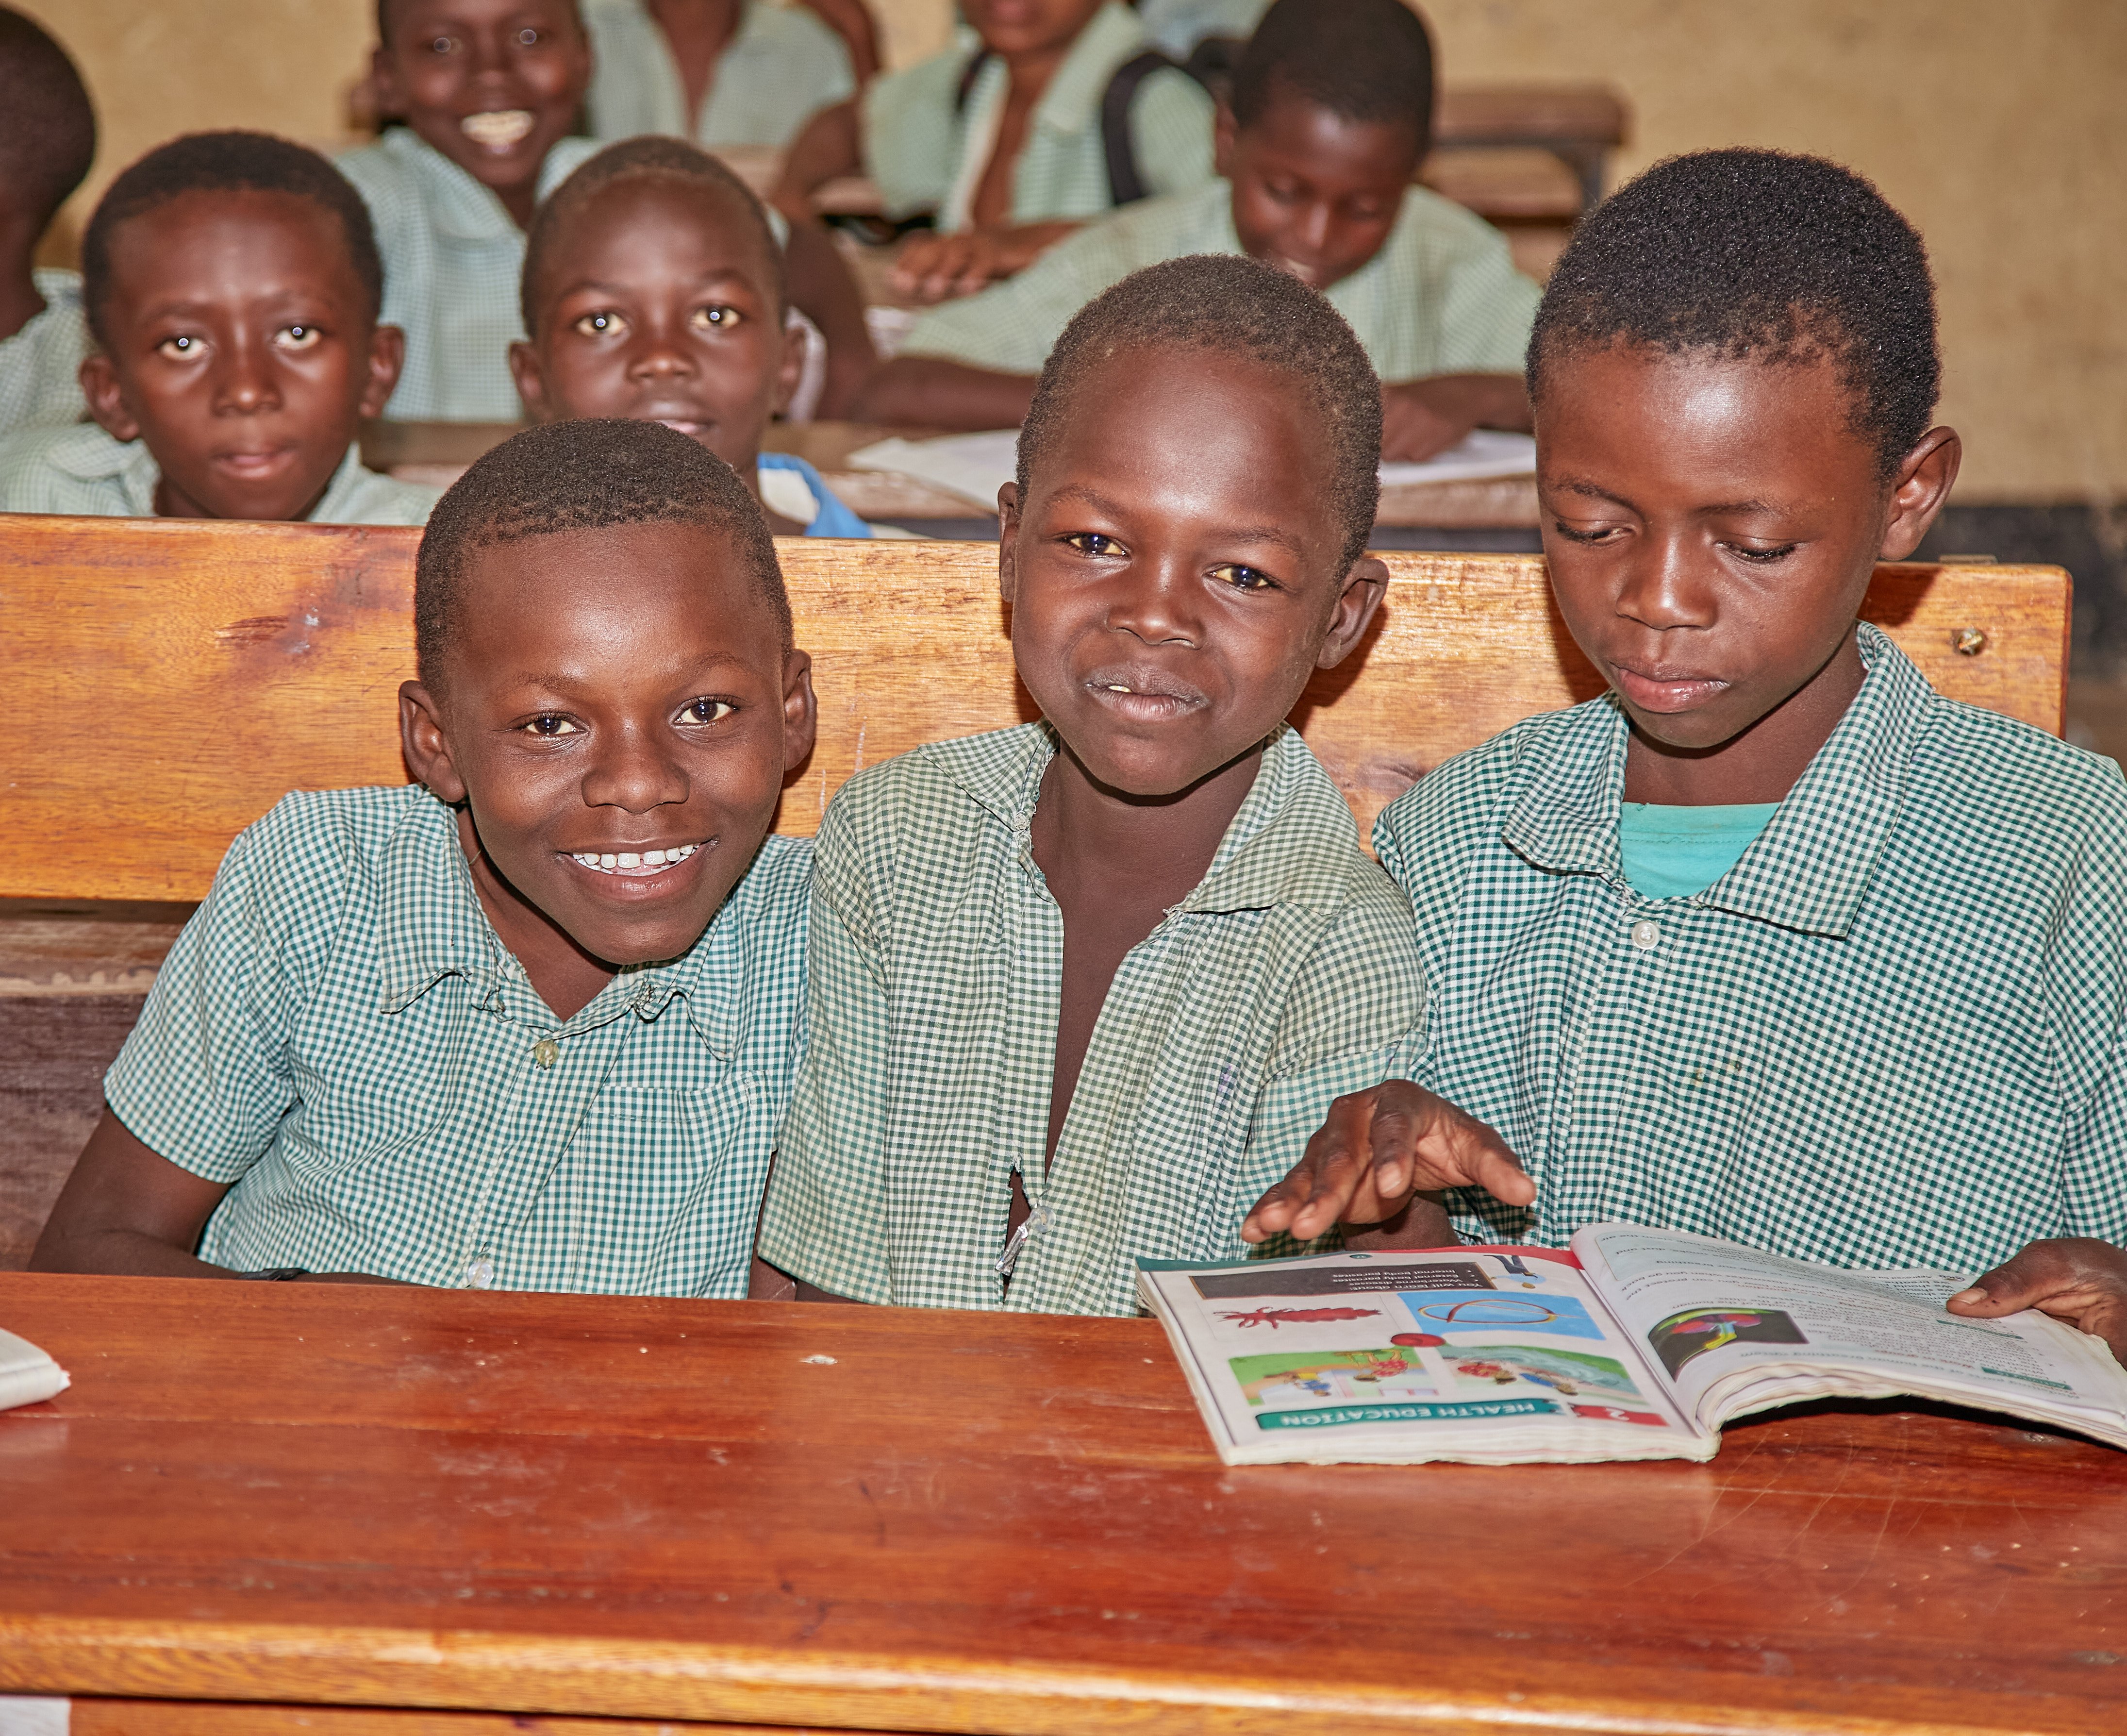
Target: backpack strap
972 71
1126 185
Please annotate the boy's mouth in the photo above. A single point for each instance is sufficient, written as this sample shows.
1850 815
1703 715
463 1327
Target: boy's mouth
499 130
634 864
1146 695
1666 693
253 466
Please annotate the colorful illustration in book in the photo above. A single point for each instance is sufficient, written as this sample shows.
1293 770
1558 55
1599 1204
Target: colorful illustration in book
1318 1377
1271 1317
1514 1266
1567 1373
1697 1330
1452 1312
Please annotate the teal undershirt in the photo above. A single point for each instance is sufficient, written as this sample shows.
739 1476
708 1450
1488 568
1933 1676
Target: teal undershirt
1673 853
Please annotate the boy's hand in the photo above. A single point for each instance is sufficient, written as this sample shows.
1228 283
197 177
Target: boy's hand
1377 1149
936 268
2076 1278
1416 425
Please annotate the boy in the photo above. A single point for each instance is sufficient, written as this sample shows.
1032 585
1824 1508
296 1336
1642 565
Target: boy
532 1025
654 288
47 141
232 282
1771 941
1080 988
720 73
1331 111
1007 138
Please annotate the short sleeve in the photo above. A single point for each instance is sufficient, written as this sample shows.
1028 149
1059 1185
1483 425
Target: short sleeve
1487 310
1171 120
909 130
1010 327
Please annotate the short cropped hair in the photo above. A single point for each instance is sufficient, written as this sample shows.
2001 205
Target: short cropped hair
226 161
594 474
1230 304
647 158
47 127
1760 254
1365 60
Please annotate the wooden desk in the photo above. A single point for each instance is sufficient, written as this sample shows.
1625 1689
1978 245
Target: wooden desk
669 1510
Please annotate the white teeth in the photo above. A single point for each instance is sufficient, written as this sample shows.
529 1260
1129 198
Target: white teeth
614 860
498 128
608 861
1113 688
654 859
626 859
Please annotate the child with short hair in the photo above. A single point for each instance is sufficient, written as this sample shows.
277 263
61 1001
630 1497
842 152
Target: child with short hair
232 284
47 142
654 288
1081 988
1771 941
1332 114
530 1022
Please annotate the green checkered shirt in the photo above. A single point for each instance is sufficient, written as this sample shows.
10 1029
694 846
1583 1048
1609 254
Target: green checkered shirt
918 148
341 1034
82 470
41 365
452 257
781 66
1894 1033
1442 296
1285 978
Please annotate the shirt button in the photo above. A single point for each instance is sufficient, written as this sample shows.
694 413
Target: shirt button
547 1051
1645 935
480 1272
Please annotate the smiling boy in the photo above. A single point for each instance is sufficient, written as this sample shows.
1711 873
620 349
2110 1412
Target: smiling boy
232 283
1771 941
1332 113
532 1025
1081 988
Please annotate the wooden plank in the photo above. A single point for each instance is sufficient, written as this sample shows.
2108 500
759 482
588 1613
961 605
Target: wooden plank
185 676
1565 114
666 1509
225 1718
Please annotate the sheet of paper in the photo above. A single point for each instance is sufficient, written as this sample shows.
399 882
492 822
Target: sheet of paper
28 1375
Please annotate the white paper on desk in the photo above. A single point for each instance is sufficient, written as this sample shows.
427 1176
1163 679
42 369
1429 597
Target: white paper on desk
27 1376
975 466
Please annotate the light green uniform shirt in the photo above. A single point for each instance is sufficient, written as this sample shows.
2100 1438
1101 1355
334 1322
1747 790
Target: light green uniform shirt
781 66
339 1033
82 470
920 151
1894 1033
1285 978
452 255
1178 26
1442 296
41 365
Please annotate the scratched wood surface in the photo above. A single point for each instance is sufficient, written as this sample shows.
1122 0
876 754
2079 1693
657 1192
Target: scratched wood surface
672 1509
183 676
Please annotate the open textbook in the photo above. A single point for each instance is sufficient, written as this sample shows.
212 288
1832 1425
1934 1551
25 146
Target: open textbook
1638 1344
27 1374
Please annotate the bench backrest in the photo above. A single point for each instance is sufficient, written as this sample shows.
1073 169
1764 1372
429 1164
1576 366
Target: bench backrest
168 681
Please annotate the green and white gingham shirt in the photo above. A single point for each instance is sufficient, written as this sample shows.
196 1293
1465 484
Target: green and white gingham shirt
41 365
1441 297
1895 1033
1285 978
920 150
452 255
781 66
82 470
339 1033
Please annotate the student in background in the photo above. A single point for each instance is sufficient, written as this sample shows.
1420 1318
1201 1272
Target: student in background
1004 139
1081 988
718 72
530 1022
654 288
47 141
1332 113
232 284
1771 941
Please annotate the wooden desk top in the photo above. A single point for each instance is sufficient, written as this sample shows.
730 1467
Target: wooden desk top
678 1510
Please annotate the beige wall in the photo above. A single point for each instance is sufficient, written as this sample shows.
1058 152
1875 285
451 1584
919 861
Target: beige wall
1999 125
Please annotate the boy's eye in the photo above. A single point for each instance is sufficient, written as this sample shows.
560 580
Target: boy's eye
1762 556
297 337
706 711
443 44
180 348
1095 543
531 36
716 314
1241 578
600 325
1600 533
549 724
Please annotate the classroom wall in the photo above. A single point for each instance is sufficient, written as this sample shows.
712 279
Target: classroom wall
1998 127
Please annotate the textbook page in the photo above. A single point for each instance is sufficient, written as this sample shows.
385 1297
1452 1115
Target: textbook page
28 1375
1487 1355
1737 1330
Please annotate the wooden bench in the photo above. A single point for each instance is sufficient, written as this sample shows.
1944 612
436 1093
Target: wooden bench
171 681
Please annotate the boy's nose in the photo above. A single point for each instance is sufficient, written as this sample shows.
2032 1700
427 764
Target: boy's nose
634 773
1662 587
657 354
1150 604
244 383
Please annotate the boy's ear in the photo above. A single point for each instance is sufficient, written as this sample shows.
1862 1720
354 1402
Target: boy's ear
1366 583
795 344
1008 540
531 380
387 355
1923 483
801 711
107 398
384 81
1223 126
427 749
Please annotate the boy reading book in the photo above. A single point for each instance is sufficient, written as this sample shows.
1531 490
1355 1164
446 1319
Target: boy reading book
1771 941
654 288
1332 113
1080 989
232 282
47 141
528 1023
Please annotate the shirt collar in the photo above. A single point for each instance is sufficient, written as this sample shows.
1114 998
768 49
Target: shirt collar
461 207
1810 868
90 455
1071 103
346 481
